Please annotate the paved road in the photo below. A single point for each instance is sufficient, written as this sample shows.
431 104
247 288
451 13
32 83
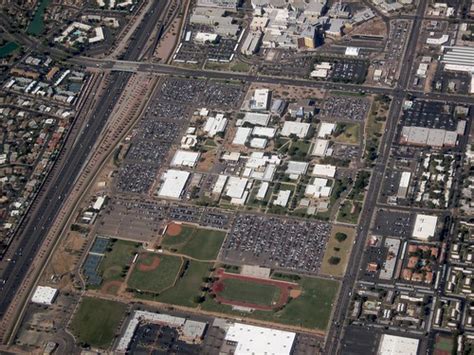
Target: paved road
57 187
135 66
336 333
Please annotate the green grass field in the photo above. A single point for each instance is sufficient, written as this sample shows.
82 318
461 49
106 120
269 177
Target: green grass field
349 133
96 321
341 250
186 288
198 243
348 214
114 262
158 279
311 310
247 291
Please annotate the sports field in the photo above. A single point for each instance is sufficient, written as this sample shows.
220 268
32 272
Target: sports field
310 308
154 272
198 243
114 263
96 321
187 287
250 292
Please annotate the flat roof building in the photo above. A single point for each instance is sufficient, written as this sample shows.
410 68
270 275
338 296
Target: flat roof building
425 226
325 170
44 295
241 135
397 345
215 125
173 183
250 339
260 100
320 147
185 158
299 129
326 129
282 198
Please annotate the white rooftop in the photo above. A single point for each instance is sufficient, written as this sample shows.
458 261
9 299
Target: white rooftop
44 295
236 187
251 340
185 158
260 100
392 345
425 226
282 198
173 184
300 129
325 170
326 129
241 135
215 125
257 119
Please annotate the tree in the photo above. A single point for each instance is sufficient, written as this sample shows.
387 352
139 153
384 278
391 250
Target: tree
334 260
340 237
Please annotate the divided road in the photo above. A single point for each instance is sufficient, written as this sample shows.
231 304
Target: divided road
56 189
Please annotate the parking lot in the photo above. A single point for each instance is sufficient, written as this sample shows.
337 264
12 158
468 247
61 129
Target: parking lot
222 96
132 219
430 114
393 223
347 108
277 242
349 71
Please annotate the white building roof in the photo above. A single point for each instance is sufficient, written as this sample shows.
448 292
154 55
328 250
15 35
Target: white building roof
320 147
219 185
173 184
241 135
405 179
260 143
44 295
299 129
282 198
262 190
236 187
257 119
326 129
215 125
260 100
99 203
325 170
425 226
352 51
392 345
185 158
251 340
318 188
296 167
264 132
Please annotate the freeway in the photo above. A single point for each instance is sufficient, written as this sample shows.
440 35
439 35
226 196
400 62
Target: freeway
335 335
144 30
57 187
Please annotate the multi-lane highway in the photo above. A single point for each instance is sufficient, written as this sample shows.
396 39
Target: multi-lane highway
57 187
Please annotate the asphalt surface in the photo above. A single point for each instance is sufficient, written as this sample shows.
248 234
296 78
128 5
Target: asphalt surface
57 187
135 66
336 332
142 34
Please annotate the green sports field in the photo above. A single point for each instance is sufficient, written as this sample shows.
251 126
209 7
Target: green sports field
187 287
158 279
96 321
198 243
113 265
248 291
311 310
